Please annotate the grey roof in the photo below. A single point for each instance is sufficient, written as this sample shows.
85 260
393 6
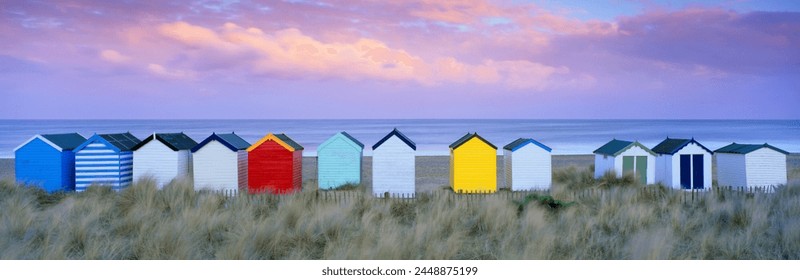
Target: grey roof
289 141
353 139
747 148
174 141
467 137
616 147
670 146
66 141
516 144
123 141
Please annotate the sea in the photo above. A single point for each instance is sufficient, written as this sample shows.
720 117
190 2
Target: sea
565 137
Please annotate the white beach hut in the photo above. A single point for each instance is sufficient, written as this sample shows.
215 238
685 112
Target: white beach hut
167 158
625 157
527 165
220 163
751 165
683 164
393 165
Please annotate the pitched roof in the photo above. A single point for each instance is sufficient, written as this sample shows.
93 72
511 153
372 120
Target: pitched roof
616 147
289 141
66 141
521 142
352 139
123 141
670 146
229 140
467 137
60 142
747 148
281 139
399 135
174 141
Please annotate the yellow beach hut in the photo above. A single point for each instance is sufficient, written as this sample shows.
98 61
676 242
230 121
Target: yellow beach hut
473 165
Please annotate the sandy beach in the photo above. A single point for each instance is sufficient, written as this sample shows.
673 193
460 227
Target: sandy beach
433 171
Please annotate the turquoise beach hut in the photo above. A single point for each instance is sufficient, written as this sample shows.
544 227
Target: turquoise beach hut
339 161
105 159
47 160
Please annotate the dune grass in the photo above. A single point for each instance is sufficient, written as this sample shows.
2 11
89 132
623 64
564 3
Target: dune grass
176 222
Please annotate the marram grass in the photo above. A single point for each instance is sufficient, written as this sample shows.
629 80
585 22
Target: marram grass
581 218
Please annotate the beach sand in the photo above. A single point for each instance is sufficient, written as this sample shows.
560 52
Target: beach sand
433 171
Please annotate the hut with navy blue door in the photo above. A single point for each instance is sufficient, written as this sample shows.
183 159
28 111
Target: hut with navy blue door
751 165
220 163
105 159
393 163
163 157
528 165
48 161
624 157
339 161
683 164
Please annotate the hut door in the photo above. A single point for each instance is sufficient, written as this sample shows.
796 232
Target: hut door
697 170
627 164
686 171
641 168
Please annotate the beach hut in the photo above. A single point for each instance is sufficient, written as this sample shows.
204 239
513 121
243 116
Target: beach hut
683 164
393 163
220 162
473 165
47 160
339 161
168 157
275 165
751 165
527 165
625 157
105 159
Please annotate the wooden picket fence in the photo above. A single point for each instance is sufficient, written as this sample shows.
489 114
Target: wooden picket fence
349 196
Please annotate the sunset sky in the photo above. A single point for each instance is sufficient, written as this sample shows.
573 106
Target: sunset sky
399 59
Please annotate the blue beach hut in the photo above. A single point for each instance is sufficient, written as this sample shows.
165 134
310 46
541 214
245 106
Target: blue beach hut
47 160
339 161
105 159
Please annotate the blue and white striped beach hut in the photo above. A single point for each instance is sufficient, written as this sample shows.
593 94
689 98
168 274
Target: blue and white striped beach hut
105 159
339 161
48 160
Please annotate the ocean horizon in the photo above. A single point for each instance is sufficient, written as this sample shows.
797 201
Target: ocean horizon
432 136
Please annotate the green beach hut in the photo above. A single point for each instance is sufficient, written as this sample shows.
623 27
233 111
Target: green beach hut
339 161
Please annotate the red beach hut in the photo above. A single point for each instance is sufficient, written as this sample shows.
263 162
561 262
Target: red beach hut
275 165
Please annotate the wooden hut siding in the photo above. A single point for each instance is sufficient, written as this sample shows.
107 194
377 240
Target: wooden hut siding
473 166
38 163
508 158
275 165
731 170
603 164
241 159
216 167
393 168
97 163
638 153
338 162
672 165
157 161
531 168
765 167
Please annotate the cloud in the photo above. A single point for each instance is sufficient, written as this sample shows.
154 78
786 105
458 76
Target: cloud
113 56
163 72
289 53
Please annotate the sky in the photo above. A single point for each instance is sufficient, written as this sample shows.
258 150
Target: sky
413 59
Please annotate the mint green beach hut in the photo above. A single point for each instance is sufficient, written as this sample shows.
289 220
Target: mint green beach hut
339 161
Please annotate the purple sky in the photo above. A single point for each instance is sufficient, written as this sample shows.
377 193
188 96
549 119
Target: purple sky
416 59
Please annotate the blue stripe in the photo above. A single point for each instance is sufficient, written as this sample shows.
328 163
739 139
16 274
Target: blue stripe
100 177
87 148
77 164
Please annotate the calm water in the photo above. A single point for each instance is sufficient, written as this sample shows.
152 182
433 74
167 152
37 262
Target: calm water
433 136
